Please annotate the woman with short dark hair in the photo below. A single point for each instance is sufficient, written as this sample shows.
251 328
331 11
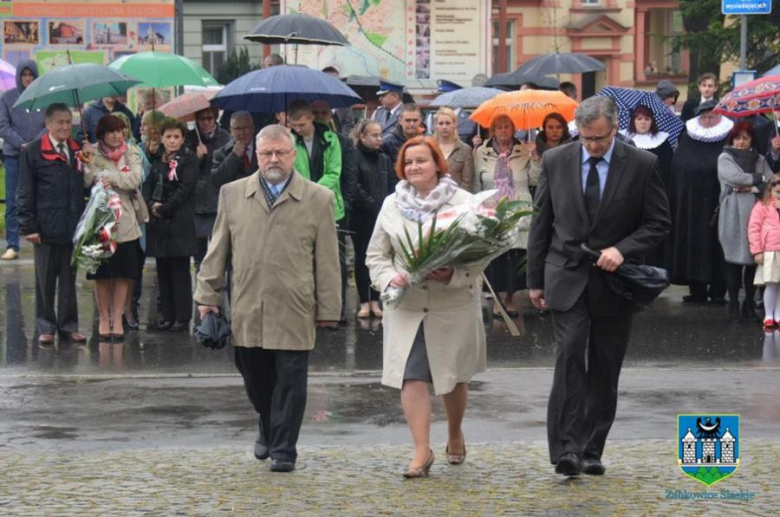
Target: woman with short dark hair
171 232
742 172
118 167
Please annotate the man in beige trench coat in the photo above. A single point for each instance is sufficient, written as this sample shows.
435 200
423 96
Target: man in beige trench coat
276 229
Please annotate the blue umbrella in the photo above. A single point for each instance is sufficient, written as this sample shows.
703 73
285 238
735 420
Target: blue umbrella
271 90
627 101
466 97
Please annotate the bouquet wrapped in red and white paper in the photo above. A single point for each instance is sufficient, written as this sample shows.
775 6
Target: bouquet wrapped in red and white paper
467 235
95 239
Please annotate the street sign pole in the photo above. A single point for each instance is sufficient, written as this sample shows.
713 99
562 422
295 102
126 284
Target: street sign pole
743 42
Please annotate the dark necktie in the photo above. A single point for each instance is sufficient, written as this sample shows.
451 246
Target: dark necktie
61 150
247 162
592 195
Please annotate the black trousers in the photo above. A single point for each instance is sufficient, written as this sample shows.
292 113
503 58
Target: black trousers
275 381
735 273
583 400
363 228
55 275
702 290
175 283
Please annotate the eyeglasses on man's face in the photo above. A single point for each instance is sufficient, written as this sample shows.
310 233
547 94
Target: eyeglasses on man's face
281 153
595 139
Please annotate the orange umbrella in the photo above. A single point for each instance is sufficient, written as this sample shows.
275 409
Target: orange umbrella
526 108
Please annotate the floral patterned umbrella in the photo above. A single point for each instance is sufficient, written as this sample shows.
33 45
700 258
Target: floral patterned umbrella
759 96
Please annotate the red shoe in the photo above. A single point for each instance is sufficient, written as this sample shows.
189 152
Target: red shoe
769 325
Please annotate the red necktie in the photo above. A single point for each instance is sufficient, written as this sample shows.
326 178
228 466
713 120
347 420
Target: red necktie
247 163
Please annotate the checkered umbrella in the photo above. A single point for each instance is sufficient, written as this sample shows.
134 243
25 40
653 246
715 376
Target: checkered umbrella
628 100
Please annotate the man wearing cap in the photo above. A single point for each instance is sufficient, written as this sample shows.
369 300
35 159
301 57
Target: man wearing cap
668 93
391 98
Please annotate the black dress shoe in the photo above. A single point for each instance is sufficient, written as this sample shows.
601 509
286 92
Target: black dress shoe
164 325
261 449
593 467
689 298
570 464
282 465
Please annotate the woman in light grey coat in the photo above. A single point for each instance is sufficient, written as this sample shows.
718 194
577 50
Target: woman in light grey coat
741 171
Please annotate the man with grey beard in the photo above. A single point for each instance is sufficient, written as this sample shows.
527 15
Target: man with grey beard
277 231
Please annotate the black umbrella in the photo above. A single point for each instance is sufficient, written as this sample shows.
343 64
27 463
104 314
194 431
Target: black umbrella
637 283
367 85
516 79
561 63
214 331
300 29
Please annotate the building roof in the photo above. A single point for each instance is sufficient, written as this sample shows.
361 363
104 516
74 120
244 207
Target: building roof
689 436
727 436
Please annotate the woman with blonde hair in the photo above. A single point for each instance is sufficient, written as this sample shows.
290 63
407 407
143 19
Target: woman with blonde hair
460 158
503 163
435 334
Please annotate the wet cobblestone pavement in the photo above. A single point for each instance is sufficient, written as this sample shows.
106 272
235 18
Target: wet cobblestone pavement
156 425
505 479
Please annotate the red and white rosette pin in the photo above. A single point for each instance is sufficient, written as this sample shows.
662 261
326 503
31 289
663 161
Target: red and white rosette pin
172 176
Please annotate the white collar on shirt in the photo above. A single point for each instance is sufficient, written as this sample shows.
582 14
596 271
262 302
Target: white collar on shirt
607 156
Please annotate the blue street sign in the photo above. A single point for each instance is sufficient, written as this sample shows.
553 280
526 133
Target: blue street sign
746 6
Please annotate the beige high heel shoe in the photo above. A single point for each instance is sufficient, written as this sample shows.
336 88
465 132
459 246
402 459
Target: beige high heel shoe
420 472
455 459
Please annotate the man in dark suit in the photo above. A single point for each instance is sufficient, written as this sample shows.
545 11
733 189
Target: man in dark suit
51 200
391 99
708 89
237 159
608 195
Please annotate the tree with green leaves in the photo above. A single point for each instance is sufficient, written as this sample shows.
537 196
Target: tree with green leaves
236 65
712 38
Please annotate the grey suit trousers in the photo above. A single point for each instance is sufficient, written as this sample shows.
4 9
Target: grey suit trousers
583 400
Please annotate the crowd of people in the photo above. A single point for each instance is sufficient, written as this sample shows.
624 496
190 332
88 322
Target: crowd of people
265 213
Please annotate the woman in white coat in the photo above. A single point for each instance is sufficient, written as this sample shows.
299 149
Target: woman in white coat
435 334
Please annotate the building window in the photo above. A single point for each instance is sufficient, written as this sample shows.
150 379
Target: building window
591 3
675 29
510 46
216 45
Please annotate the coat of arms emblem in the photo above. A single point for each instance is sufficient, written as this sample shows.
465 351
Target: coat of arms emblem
708 446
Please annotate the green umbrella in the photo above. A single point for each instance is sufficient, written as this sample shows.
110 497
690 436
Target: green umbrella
161 69
74 85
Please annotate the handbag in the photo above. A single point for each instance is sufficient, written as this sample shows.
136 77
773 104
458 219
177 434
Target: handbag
139 207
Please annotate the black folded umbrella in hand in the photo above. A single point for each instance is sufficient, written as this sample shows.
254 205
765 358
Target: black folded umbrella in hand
637 283
214 331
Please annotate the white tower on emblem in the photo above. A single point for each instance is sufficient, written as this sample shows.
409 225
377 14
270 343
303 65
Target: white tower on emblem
689 447
727 447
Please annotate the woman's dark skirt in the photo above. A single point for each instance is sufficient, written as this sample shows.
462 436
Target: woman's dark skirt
124 263
506 273
417 366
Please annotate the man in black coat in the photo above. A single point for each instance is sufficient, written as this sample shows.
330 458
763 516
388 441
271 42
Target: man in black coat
204 140
408 127
237 159
51 199
609 196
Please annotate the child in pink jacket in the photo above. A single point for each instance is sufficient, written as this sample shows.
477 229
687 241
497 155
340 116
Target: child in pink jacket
764 239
